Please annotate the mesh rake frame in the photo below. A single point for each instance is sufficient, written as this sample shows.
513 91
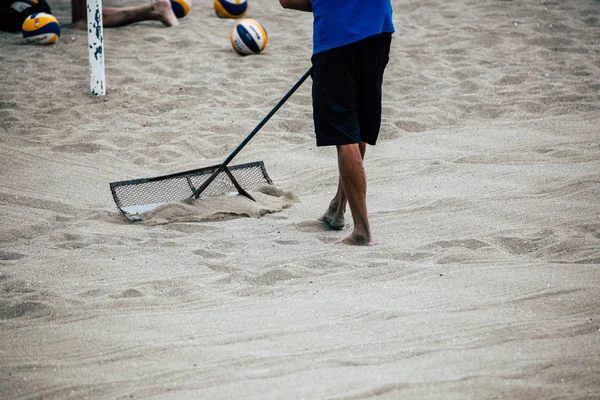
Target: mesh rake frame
139 195
184 181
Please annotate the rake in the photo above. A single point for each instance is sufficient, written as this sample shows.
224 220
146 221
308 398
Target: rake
137 196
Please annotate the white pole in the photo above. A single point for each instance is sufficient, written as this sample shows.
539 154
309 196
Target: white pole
96 47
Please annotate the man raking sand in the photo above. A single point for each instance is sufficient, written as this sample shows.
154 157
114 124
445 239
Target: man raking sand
351 45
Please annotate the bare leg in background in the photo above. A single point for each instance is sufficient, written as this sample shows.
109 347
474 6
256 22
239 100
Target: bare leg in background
159 10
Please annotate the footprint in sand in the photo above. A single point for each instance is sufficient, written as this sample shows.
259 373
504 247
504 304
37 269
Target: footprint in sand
10 256
128 294
33 309
287 242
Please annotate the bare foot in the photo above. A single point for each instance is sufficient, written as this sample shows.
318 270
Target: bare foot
164 12
356 241
335 223
334 217
160 10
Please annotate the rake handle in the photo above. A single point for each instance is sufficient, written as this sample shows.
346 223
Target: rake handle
251 134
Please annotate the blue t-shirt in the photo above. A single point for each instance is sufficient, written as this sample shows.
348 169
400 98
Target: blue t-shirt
340 22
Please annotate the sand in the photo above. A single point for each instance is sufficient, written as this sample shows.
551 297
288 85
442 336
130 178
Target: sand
484 201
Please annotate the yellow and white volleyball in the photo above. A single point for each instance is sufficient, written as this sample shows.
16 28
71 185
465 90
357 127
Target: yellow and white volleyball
248 37
41 28
230 8
22 5
180 7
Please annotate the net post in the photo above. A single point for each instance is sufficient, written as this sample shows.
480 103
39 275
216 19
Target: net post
96 47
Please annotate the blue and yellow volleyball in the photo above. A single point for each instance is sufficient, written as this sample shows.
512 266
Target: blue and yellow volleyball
248 37
22 5
180 7
230 8
41 28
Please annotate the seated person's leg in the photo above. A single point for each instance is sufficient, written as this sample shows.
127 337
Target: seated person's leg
159 10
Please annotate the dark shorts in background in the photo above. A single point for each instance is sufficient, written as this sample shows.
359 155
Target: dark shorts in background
347 91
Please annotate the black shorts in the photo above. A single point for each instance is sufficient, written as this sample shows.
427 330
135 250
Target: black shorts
346 91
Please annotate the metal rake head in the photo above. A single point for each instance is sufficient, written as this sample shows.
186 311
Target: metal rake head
137 196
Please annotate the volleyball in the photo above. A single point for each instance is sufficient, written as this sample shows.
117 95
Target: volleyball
180 7
248 37
230 8
41 28
22 5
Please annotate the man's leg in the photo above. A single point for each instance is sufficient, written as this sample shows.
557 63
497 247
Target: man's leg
354 182
334 216
159 10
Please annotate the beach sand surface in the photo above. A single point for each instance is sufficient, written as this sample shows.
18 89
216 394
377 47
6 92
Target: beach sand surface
483 195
